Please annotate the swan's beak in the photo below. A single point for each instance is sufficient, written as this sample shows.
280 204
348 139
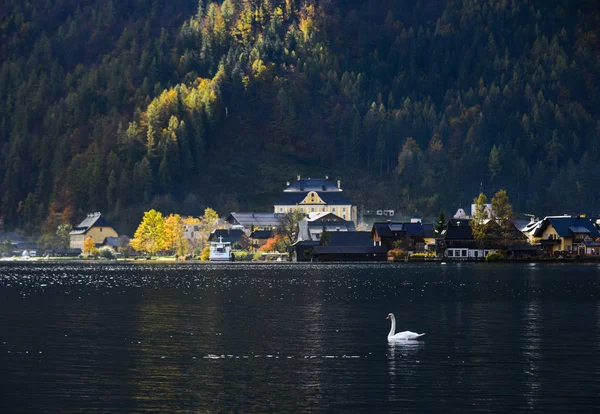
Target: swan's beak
387 317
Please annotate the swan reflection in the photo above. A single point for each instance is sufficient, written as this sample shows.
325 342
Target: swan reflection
402 359
531 351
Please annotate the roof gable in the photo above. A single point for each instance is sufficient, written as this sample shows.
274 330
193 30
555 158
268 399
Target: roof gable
381 229
319 184
428 230
458 230
323 217
312 198
413 229
568 226
92 220
229 236
331 198
249 219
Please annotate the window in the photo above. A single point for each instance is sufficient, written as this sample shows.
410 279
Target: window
100 229
476 253
464 253
344 209
344 217
323 209
333 209
312 209
450 253
281 209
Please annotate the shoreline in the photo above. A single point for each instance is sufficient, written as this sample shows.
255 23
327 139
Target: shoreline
440 261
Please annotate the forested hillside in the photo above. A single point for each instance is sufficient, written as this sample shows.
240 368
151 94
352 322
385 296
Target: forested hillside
116 106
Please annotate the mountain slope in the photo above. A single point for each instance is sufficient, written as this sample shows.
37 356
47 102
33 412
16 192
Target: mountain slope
181 105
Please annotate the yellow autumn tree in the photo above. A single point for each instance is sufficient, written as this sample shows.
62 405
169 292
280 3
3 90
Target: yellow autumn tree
88 245
175 235
151 235
243 28
307 22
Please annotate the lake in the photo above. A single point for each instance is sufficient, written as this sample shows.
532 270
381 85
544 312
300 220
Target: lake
78 337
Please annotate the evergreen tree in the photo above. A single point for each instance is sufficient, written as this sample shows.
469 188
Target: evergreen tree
440 224
494 163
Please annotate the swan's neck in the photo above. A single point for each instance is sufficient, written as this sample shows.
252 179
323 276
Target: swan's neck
393 327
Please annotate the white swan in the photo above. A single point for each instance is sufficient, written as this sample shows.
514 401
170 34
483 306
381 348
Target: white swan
400 336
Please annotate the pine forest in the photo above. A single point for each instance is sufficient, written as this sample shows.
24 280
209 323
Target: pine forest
122 106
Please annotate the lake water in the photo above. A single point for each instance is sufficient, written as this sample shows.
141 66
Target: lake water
288 338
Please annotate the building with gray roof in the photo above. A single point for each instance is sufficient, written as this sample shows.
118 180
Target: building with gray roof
316 195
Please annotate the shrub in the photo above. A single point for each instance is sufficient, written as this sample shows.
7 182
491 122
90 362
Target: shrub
397 254
205 255
107 252
494 257
243 256
423 255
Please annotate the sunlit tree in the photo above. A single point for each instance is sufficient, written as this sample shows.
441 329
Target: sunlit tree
88 245
150 235
503 213
287 225
210 221
175 237
480 218
63 236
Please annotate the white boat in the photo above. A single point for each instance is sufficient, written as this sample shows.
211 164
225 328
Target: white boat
220 251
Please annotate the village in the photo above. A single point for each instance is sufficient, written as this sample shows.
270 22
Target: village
315 221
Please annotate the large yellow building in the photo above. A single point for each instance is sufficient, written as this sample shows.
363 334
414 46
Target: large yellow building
94 226
315 196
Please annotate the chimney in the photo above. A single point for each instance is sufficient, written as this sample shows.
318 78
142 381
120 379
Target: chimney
340 184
